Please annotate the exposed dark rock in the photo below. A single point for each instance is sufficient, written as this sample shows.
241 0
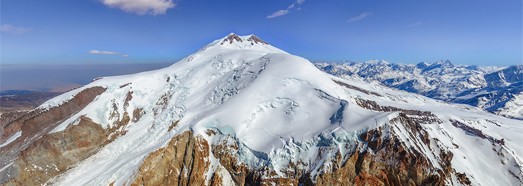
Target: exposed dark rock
231 38
387 161
184 161
476 132
34 127
356 88
36 120
423 116
256 40
54 153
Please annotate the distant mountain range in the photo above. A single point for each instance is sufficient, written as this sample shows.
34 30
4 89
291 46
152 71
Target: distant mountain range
496 89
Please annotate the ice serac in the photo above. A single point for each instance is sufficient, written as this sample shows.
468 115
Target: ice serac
241 111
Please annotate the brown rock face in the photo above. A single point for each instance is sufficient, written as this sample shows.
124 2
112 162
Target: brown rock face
385 161
229 161
34 140
36 120
54 153
7 117
231 38
184 161
256 40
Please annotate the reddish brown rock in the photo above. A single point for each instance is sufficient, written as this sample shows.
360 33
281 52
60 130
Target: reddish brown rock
184 161
38 120
386 162
54 153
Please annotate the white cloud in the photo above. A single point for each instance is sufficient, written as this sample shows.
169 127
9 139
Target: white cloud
419 23
360 17
141 7
102 52
278 13
287 10
7 28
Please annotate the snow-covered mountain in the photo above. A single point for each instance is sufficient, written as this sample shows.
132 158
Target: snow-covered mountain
496 89
242 112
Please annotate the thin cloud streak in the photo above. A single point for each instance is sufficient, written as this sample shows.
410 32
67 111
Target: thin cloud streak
11 29
360 17
278 14
141 7
287 10
103 52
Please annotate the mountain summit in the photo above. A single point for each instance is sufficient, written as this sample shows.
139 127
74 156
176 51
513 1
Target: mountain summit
241 111
248 42
252 39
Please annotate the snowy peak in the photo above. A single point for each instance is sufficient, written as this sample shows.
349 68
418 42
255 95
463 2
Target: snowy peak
256 40
252 39
422 65
247 42
445 63
231 38
442 64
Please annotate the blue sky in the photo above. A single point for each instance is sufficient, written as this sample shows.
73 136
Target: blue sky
480 32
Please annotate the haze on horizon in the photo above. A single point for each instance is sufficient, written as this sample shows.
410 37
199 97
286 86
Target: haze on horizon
479 32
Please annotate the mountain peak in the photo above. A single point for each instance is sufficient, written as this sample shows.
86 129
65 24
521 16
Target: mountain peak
246 42
445 63
231 38
252 39
422 65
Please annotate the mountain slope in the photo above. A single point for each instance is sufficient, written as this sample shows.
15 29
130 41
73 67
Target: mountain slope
484 87
242 111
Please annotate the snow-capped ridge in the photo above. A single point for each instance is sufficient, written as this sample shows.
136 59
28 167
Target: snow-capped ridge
246 42
445 63
422 65
253 39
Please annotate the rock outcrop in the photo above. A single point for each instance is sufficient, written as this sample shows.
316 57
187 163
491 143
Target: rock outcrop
378 160
29 159
184 161
54 153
